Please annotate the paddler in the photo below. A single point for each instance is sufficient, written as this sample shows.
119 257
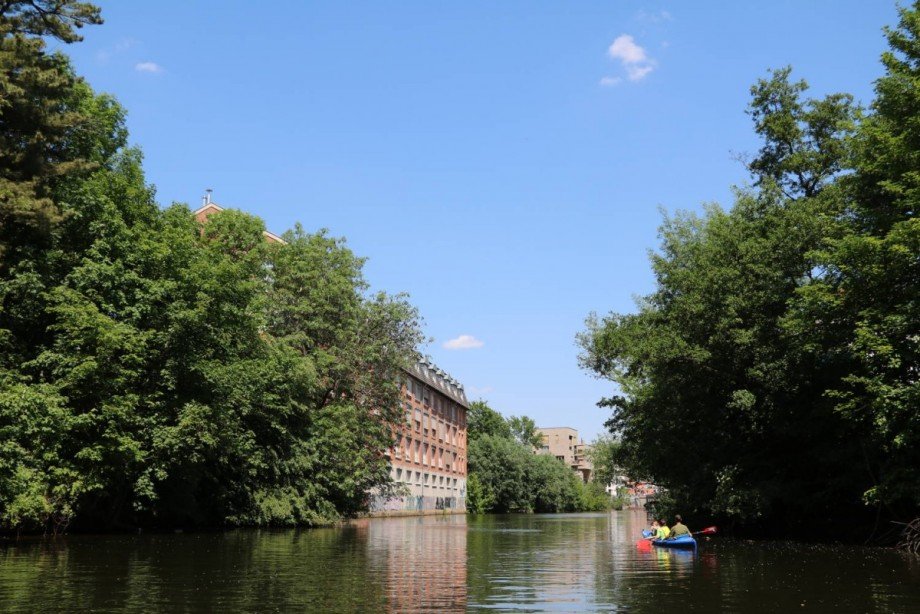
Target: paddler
679 527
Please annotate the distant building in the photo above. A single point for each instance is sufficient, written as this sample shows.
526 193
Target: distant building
429 458
209 208
563 443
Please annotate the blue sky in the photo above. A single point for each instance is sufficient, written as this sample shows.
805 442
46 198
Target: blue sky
502 162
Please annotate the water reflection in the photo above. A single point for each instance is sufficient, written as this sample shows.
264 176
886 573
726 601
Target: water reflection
423 561
570 563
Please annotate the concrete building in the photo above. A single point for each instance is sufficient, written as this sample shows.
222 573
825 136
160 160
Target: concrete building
563 443
429 458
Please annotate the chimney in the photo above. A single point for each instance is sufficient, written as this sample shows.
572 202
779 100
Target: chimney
206 199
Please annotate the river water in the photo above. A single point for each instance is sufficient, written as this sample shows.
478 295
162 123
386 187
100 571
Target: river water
560 563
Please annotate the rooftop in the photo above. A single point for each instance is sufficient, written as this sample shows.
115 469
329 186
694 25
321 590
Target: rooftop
431 374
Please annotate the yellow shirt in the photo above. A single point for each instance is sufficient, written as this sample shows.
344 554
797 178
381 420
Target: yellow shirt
663 532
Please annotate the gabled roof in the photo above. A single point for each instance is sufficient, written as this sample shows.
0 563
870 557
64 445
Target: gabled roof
208 209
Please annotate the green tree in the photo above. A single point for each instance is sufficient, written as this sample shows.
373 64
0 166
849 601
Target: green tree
501 465
718 403
524 430
863 310
483 420
603 454
554 486
479 499
154 371
43 115
771 376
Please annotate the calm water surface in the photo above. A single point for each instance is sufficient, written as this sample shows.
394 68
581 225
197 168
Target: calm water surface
563 563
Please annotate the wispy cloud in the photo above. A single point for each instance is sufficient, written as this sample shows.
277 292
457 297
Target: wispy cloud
151 67
463 342
483 390
653 16
634 59
104 55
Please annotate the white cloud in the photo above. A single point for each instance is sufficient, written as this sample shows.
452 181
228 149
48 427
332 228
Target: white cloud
151 67
637 73
625 49
610 81
632 57
483 390
463 342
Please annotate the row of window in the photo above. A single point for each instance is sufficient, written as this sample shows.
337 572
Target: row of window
422 479
421 453
424 424
428 397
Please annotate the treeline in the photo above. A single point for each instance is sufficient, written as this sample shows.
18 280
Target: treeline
159 372
772 378
506 476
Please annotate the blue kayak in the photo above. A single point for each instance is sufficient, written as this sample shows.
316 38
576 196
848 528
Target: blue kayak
684 541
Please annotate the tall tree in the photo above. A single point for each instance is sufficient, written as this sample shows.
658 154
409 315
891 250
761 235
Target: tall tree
524 430
483 420
42 113
863 311
155 371
719 403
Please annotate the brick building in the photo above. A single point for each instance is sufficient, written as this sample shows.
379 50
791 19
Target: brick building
429 458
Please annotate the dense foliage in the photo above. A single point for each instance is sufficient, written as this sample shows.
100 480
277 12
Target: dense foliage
772 376
506 476
155 371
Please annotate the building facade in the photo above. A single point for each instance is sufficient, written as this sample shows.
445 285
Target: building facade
428 460
563 443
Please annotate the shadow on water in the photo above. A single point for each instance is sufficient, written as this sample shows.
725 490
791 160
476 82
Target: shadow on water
569 563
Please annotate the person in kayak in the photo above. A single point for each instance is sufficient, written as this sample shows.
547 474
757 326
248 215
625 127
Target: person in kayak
679 527
663 530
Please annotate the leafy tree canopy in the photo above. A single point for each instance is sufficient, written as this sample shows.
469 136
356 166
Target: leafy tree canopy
770 378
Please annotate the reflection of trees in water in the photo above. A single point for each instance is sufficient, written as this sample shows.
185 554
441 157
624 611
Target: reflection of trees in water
566 562
319 569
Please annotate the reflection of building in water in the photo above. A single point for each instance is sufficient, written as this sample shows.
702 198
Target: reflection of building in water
429 459
425 562
563 443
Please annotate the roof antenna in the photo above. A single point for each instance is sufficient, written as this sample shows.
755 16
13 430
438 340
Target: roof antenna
206 199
